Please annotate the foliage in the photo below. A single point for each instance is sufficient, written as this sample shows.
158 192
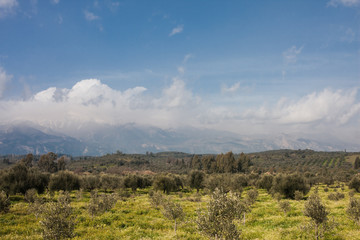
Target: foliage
287 184
218 220
265 182
165 183
285 206
357 163
134 181
19 178
64 180
4 202
47 163
90 182
196 180
58 221
31 195
353 209
336 196
355 183
298 195
99 204
172 211
316 210
156 198
252 195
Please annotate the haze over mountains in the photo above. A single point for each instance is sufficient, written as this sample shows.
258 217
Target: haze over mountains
131 138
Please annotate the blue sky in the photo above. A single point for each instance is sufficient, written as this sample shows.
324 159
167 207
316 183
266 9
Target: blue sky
241 66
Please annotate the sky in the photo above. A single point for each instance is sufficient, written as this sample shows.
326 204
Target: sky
248 67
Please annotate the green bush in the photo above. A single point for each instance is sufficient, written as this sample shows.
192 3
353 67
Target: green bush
64 180
4 202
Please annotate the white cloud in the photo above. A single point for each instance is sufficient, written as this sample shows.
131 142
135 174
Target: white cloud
177 30
346 3
231 89
7 7
181 70
187 57
4 79
90 16
55 1
329 106
290 55
91 101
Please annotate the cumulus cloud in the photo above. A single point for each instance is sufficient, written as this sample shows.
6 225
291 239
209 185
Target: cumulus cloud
328 107
176 30
346 3
231 89
7 7
89 16
4 79
290 55
91 101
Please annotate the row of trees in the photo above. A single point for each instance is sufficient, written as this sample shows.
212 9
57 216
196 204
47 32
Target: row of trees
222 163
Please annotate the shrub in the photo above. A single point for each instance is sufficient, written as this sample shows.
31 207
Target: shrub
265 182
298 196
156 198
90 182
197 180
353 210
4 202
164 183
100 204
285 206
31 195
172 211
218 220
288 184
336 196
355 183
252 195
316 210
57 219
64 180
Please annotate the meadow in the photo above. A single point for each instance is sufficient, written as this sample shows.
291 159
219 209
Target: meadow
133 217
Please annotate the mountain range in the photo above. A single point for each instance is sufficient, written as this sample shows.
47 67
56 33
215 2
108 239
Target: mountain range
131 138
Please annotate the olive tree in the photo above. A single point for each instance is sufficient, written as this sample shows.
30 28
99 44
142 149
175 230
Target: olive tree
316 210
58 221
173 211
4 202
353 209
218 220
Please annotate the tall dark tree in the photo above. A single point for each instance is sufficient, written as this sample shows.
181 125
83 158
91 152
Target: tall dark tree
47 162
357 163
28 160
197 180
196 163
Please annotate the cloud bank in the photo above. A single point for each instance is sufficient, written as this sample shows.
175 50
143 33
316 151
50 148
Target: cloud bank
91 101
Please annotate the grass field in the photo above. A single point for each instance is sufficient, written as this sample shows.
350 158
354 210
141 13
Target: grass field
136 218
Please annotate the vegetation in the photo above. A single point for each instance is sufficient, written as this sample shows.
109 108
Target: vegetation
124 196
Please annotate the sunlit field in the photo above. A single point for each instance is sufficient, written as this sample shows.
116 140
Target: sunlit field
133 217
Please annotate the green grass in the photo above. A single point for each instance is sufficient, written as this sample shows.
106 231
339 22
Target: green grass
135 218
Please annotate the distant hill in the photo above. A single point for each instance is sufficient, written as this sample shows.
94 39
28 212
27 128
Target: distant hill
131 138
24 139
